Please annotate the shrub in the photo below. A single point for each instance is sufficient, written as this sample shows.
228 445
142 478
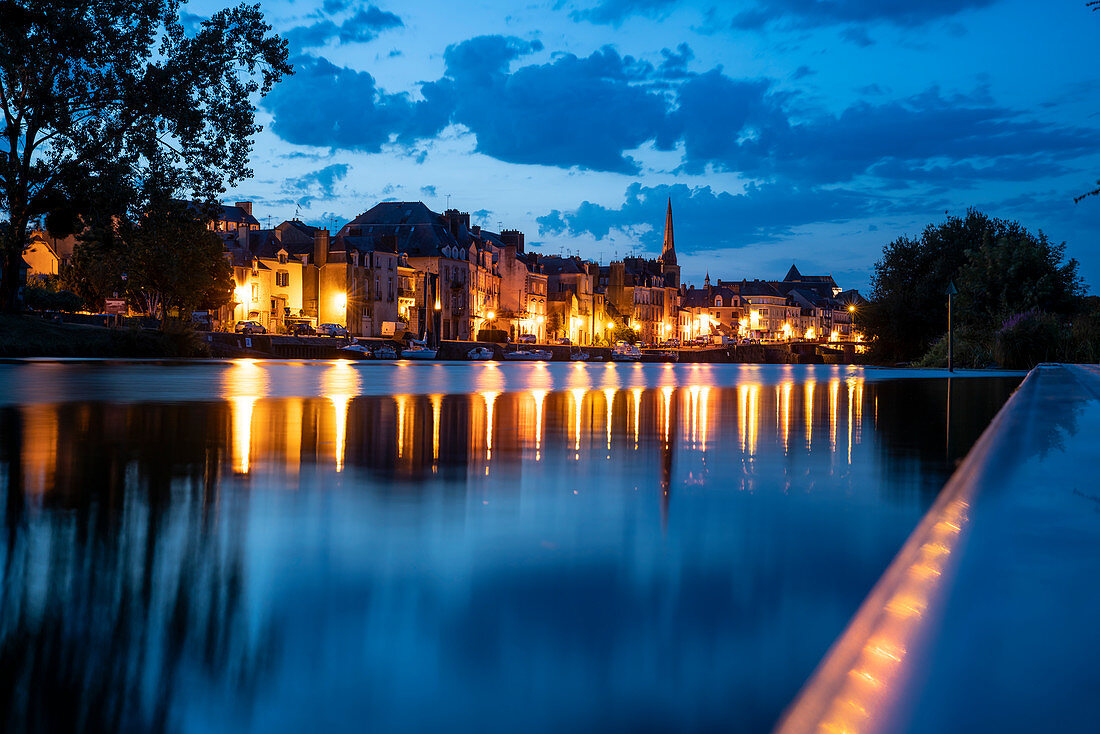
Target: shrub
973 348
1026 339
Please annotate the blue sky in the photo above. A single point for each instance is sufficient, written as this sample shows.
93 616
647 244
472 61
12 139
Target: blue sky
807 131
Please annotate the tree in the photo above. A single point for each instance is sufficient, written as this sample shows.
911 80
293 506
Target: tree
166 261
998 266
94 92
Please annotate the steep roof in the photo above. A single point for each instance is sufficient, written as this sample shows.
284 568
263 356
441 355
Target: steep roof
416 230
792 274
237 215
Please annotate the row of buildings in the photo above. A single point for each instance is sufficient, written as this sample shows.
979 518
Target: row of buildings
401 269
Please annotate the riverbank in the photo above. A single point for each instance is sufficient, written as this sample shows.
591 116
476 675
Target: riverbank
30 336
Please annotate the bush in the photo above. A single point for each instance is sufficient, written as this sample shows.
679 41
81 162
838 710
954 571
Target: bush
40 298
1026 339
973 348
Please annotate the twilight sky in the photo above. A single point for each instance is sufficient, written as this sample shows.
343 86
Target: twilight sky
807 131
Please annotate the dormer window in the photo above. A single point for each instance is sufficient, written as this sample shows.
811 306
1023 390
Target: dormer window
718 301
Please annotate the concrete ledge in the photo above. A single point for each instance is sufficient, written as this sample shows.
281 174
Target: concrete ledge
987 618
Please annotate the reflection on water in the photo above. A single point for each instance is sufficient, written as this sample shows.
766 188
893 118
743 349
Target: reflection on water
496 548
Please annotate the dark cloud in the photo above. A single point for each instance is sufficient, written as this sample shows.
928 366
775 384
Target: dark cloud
858 36
757 135
802 72
428 191
316 184
811 13
715 219
573 111
590 112
362 26
614 12
327 105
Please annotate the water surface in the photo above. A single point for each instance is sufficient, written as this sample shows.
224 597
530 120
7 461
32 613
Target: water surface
333 546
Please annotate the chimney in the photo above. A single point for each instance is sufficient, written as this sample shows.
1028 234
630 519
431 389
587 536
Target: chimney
247 206
320 247
513 238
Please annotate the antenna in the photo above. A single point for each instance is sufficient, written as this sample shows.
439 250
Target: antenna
448 201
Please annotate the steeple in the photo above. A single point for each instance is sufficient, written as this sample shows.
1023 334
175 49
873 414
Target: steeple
706 282
668 254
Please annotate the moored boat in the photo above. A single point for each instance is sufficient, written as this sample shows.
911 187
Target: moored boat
528 355
385 352
579 357
418 352
355 351
479 353
626 353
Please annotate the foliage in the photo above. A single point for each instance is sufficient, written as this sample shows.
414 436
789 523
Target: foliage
553 323
625 334
166 261
95 93
96 267
46 294
1026 339
972 348
997 265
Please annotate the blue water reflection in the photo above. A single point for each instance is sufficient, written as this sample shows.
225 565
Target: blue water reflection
337 546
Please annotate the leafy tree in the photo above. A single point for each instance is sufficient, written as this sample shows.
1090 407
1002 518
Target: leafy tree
166 261
97 265
94 92
998 266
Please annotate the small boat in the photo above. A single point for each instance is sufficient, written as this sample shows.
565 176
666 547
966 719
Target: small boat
626 353
669 356
418 352
578 357
356 351
528 355
480 353
385 352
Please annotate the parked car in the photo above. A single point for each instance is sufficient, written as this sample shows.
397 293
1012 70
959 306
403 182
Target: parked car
565 341
332 330
526 339
303 329
250 327
672 343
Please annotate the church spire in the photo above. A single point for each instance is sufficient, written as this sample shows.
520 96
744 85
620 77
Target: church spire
668 254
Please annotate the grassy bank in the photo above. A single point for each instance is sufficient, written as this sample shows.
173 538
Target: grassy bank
28 336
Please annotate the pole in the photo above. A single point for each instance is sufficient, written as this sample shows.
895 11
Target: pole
950 338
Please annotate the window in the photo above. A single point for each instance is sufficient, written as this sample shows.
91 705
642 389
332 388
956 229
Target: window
718 301
282 278
255 292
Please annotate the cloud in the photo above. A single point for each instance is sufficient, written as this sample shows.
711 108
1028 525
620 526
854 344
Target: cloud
590 112
361 27
857 35
614 12
427 191
585 112
802 72
316 184
757 135
814 13
313 107
709 219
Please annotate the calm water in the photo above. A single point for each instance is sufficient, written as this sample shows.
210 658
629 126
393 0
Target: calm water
289 547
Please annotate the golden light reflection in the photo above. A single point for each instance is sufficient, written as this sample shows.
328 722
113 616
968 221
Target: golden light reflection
243 387
402 413
39 447
637 392
785 414
437 411
704 396
834 394
609 401
667 392
540 399
748 413
340 383
869 662
490 400
578 402
808 414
